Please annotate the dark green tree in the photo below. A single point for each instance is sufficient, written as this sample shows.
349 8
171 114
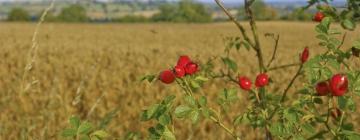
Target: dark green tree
18 14
184 11
73 13
261 11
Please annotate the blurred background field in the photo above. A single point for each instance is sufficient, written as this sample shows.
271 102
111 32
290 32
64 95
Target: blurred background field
79 63
89 65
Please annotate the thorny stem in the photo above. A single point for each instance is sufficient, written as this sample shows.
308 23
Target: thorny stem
286 91
233 19
276 39
291 83
328 118
257 46
225 128
283 66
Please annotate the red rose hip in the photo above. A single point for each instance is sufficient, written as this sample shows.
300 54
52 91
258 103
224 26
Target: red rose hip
191 68
245 83
322 88
183 61
262 80
319 16
339 85
305 55
167 76
179 72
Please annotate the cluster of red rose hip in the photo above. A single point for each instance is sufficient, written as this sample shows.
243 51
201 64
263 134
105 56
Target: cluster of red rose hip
338 84
183 67
263 79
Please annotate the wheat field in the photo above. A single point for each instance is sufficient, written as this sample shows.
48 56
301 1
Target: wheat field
93 70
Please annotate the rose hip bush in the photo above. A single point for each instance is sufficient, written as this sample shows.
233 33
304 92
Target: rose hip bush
321 110
325 102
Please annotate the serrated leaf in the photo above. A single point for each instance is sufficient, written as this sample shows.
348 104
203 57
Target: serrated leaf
182 111
237 120
202 101
85 128
100 134
149 78
195 116
308 128
326 22
246 44
322 37
84 137
342 101
201 78
194 84
356 44
348 24
230 63
164 119
70 132
169 99
75 121
168 135
190 101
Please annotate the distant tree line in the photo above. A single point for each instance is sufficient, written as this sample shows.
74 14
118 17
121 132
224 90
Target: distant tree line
183 11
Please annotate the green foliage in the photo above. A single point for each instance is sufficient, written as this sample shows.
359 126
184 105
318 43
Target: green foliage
184 11
261 11
83 130
73 13
298 14
18 14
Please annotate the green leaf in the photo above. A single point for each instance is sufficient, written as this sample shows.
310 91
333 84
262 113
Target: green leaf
164 119
202 101
206 112
149 78
194 84
152 111
351 105
85 128
342 101
168 135
246 44
100 134
84 137
201 78
70 132
195 116
348 24
182 111
309 129
237 120
168 99
356 44
277 129
318 101
230 63
291 115
75 121
322 37
326 22
334 63
190 101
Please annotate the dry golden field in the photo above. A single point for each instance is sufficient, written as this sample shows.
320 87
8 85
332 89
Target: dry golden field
90 70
